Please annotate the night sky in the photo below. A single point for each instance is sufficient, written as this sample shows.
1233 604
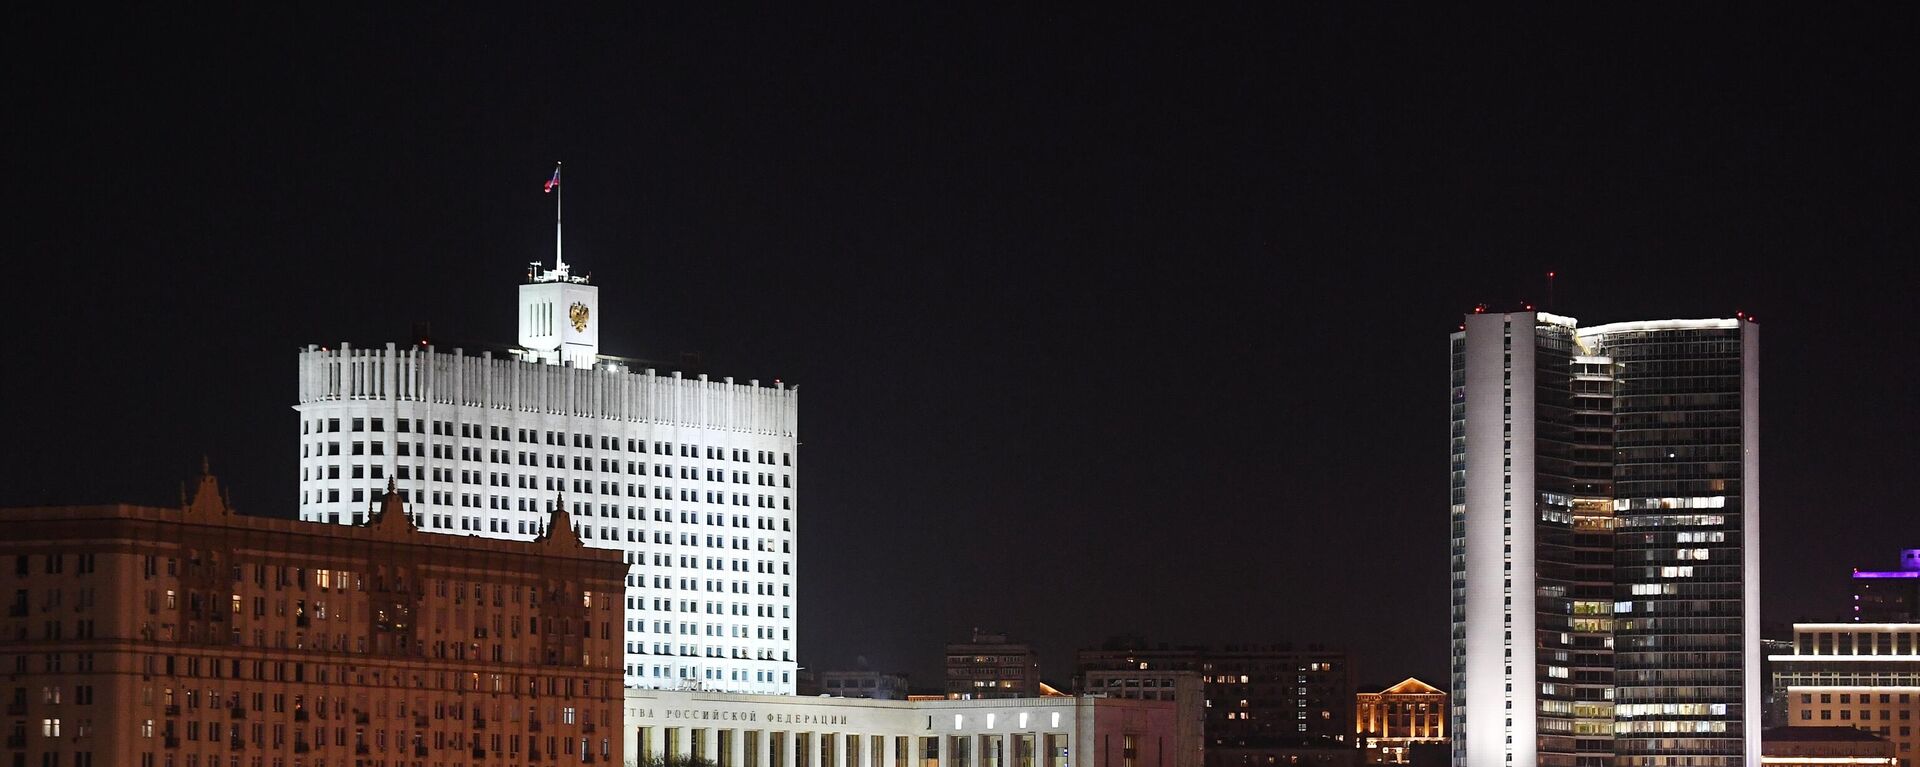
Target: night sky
1102 323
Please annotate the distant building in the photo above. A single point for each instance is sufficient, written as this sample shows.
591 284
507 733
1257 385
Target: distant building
786 731
861 684
196 636
1264 704
1862 675
991 666
1772 697
1389 722
1888 596
1824 747
1316 754
1142 683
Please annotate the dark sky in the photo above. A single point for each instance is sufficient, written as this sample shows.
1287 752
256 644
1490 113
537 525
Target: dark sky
1103 323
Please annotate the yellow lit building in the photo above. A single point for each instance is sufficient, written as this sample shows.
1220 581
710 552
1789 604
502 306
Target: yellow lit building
1387 722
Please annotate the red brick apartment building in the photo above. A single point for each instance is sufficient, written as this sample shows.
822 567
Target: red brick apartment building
198 637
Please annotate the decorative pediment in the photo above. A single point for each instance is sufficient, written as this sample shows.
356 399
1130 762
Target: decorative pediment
1411 686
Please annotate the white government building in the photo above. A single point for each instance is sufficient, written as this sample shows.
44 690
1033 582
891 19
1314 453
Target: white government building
693 479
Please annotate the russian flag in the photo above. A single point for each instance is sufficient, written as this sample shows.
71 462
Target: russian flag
555 181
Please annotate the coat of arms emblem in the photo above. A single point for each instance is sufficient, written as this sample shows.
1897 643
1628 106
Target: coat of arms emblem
578 315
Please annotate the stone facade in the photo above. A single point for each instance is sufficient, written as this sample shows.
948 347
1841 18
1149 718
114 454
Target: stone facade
197 637
774 731
1390 722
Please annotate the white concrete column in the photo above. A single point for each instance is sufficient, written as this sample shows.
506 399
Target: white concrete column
710 742
735 742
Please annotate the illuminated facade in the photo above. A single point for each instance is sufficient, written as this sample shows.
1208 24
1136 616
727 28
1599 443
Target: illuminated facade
1861 675
1605 542
694 480
1888 596
1389 722
1825 747
195 636
768 731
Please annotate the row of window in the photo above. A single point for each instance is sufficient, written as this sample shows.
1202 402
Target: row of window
531 505
1861 642
556 438
55 564
503 479
637 671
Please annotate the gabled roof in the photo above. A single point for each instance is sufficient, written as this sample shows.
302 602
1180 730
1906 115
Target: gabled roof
1410 686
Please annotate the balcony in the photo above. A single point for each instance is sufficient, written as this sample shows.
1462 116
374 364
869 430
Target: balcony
299 715
237 712
420 751
587 727
479 752
237 744
533 756
362 749
301 747
420 720
533 725
359 717
479 724
171 741
173 709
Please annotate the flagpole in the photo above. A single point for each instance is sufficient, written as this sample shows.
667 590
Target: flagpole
559 263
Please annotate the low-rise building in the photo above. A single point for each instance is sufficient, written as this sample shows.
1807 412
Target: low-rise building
735 730
148 637
1182 688
1860 675
1824 747
1264 704
1390 722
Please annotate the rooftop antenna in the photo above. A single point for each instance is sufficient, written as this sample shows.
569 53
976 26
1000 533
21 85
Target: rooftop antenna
553 188
1550 291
